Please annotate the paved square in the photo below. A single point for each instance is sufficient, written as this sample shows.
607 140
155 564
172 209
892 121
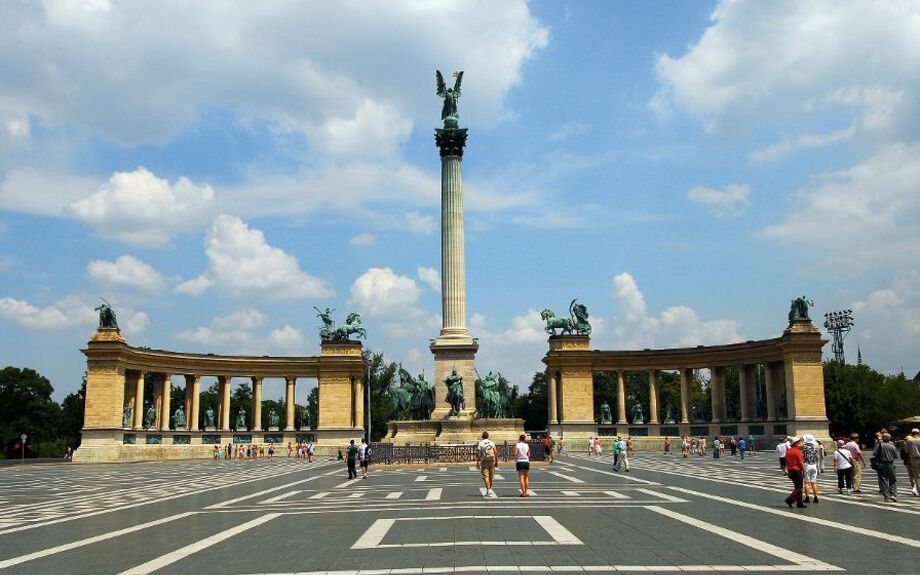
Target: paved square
287 516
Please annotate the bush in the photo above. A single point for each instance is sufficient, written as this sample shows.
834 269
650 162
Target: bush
52 449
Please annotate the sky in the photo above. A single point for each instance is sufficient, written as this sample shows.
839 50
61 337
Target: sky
685 169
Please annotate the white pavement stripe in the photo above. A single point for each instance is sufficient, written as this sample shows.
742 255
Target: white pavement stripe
620 475
394 495
442 469
89 541
473 468
616 494
562 535
757 544
793 515
434 494
319 495
264 491
566 477
491 568
482 491
571 493
278 498
356 495
347 483
421 478
499 477
204 544
374 534
530 492
664 496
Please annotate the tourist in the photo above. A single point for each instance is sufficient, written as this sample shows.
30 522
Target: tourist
629 446
351 458
289 449
667 446
795 469
216 453
858 462
716 448
311 450
684 446
487 461
781 448
733 445
885 455
229 453
911 455
624 455
702 446
522 463
548 444
810 457
271 450
615 450
68 456
560 445
751 444
364 454
591 446
822 453
843 466
742 447
598 450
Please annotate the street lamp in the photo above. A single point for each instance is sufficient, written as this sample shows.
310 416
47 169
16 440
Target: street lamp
838 323
22 440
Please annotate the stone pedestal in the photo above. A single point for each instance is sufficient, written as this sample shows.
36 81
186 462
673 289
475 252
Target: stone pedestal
454 353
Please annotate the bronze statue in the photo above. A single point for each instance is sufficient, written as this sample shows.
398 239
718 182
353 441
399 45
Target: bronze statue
606 416
491 398
449 111
106 315
126 417
576 324
241 420
179 418
209 418
330 332
798 309
637 414
273 419
150 417
454 383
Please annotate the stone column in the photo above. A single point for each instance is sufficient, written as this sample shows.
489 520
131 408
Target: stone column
193 415
139 402
359 402
744 389
685 376
157 403
653 397
187 404
717 386
167 393
769 380
453 264
552 406
224 385
289 403
257 403
621 397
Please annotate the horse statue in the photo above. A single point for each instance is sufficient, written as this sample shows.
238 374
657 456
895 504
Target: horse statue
454 383
330 332
413 397
106 315
491 405
577 323
798 309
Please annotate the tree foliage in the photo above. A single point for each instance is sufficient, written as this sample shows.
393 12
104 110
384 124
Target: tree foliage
862 400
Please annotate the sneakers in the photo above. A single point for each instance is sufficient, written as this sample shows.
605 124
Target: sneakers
893 498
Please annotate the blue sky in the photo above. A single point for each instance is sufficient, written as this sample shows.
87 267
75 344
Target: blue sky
684 169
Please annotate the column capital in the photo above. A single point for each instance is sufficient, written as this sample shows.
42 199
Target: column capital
450 141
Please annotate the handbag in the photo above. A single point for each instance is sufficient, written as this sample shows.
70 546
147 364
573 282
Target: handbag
874 464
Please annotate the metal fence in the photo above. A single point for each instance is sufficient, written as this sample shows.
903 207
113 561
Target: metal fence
389 453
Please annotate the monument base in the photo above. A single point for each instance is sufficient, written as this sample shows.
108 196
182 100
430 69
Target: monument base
453 430
454 352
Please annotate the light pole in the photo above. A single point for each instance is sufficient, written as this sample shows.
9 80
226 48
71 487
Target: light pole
22 440
367 384
838 323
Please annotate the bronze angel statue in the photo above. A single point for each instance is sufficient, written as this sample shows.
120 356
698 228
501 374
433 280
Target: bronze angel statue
449 111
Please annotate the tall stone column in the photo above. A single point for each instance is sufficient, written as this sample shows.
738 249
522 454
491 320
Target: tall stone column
685 376
257 403
744 391
717 386
653 396
224 385
453 349
621 397
167 396
770 381
552 416
139 402
359 402
187 403
194 382
289 403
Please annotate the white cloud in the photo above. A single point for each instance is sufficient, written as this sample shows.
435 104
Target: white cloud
805 141
379 292
768 64
365 239
195 286
136 323
887 325
678 326
235 329
141 209
242 319
18 130
243 264
73 311
430 276
419 223
125 271
373 129
866 215
43 192
724 203
287 338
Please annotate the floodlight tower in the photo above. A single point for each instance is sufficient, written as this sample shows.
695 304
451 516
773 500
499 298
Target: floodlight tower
839 324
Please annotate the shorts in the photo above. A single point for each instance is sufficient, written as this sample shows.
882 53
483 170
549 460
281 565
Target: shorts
488 471
523 466
811 473
364 462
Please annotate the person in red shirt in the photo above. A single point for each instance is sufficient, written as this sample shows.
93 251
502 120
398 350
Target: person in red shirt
795 467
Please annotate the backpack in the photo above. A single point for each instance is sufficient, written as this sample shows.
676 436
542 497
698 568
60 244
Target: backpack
488 454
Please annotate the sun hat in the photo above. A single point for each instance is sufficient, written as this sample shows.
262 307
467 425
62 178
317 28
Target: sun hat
915 430
796 439
809 438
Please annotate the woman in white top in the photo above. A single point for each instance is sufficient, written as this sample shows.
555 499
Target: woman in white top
843 465
522 454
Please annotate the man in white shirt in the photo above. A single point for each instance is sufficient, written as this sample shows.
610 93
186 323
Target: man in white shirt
781 449
624 455
487 461
858 462
364 452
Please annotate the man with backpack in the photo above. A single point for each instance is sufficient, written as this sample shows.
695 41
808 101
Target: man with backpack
622 449
487 461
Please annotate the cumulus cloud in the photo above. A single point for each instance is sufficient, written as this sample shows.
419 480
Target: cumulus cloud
364 240
805 141
678 325
887 324
125 271
242 264
419 223
381 292
233 329
73 311
287 338
430 276
867 214
141 209
767 64
728 202
195 286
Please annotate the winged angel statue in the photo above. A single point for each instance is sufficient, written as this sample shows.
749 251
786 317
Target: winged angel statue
449 111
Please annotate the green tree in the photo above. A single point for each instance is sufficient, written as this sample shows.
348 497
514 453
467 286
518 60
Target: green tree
532 406
241 398
381 376
862 400
209 399
605 389
313 406
72 416
26 406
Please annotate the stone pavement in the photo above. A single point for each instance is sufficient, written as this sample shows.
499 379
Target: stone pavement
287 516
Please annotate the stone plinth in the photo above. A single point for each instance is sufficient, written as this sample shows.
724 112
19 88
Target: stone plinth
454 353
453 430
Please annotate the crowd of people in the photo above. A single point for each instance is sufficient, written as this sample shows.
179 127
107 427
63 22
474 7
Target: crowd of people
302 450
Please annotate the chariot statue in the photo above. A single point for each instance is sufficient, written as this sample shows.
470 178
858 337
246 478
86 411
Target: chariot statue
454 383
576 324
798 309
449 110
331 332
106 315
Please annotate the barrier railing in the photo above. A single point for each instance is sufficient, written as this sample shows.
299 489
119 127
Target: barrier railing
389 453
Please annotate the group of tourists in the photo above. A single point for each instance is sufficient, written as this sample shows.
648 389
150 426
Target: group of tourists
354 456
595 448
243 451
802 459
734 445
302 450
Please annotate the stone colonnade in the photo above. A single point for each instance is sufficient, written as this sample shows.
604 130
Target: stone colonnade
793 373
117 375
